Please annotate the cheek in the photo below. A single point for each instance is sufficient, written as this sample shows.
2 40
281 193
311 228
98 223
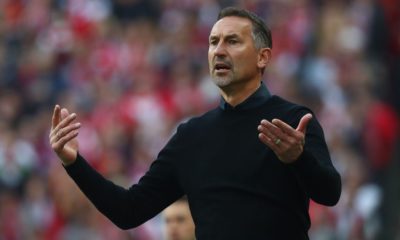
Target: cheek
209 60
246 62
210 54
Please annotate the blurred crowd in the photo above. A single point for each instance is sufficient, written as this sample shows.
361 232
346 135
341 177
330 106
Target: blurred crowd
134 69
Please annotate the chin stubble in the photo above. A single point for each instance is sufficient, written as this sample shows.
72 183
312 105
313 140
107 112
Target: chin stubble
221 81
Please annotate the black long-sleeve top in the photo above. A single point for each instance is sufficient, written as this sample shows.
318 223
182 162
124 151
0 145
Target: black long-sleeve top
236 186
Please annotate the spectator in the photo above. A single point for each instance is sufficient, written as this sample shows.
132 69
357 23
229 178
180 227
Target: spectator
178 221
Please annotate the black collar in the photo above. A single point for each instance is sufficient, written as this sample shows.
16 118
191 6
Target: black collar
260 96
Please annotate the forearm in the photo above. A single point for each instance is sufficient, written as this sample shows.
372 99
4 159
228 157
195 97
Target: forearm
112 200
314 168
126 208
321 181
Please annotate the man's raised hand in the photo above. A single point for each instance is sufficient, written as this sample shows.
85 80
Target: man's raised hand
63 135
286 142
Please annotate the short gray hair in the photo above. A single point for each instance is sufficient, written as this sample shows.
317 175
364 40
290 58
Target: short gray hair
261 33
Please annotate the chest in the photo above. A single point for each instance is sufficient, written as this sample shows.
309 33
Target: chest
229 156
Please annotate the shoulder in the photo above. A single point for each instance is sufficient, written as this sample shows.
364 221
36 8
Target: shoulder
286 105
190 125
203 119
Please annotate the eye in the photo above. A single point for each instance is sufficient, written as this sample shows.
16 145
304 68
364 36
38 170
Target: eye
232 41
213 42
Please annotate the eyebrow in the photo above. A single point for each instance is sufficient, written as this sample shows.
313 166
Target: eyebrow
229 36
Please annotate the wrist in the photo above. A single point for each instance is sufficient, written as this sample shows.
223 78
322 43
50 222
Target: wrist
69 159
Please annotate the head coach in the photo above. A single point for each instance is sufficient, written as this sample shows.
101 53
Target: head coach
249 167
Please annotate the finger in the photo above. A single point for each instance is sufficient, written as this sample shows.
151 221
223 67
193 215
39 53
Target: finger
294 136
66 121
64 131
272 139
64 113
276 132
266 132
59 145
267 141
304 122
278 139
278 148
286 128
56 117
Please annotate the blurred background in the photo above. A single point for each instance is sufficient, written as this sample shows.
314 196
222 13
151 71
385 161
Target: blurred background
134 69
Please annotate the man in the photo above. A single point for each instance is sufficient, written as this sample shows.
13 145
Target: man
248 167
179 224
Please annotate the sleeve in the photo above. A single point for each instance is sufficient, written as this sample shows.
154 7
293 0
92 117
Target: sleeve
314 169
128 208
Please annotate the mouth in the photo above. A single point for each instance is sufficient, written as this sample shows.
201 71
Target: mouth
222 67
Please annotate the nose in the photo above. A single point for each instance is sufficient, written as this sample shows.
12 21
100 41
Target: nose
220 49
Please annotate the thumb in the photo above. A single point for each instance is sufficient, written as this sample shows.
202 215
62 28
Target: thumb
304 122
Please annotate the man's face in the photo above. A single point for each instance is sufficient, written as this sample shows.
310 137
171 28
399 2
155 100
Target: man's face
178 222
232 56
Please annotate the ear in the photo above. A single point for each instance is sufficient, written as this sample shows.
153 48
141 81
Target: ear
264 56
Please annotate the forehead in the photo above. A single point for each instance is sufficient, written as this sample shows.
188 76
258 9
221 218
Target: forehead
177 208
231 25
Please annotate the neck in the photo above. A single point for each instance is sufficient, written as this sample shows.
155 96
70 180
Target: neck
236 94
